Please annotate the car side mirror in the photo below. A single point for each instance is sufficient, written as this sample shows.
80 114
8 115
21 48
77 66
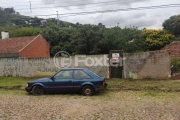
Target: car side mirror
52 78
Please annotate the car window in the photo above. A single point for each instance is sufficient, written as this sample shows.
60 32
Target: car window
94 73
79 74
64 74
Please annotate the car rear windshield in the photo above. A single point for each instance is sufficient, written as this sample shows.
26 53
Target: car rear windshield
94 73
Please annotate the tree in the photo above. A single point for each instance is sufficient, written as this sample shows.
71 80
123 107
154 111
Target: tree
24 31
172 25
86 39
9 11
157 39
21 31
126 39
58 38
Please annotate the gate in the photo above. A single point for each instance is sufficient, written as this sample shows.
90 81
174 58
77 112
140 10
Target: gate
116 63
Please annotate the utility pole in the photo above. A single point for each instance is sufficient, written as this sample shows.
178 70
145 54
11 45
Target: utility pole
30 6
58 19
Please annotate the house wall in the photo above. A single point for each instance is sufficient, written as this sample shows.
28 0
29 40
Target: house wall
154 64
38 48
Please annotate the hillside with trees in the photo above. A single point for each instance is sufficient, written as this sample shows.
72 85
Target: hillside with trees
8 16
85 39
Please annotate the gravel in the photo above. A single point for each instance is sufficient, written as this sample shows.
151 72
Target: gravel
127 105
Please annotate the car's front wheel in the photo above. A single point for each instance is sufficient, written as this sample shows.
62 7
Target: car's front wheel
37 90
87 91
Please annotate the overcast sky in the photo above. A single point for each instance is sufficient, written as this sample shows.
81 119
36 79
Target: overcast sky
147 18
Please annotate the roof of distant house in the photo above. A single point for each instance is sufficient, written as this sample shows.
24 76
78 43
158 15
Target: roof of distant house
173 48
171 44
14 45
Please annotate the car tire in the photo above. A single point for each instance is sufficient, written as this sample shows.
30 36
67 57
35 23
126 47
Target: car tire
37 90
87 91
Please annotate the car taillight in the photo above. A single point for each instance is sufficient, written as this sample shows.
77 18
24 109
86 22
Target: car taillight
104 83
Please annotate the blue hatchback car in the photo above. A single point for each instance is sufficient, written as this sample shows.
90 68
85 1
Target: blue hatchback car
70 80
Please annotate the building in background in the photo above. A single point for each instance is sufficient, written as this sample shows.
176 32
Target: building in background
24 47
173 49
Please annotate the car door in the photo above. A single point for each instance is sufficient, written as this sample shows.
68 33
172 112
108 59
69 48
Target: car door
62 82
80 77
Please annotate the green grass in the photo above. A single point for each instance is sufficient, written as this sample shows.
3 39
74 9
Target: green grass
163 85
13 82
120 84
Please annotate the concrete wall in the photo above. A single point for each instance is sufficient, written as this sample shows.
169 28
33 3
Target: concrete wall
154 64
45 66
140 65
99 64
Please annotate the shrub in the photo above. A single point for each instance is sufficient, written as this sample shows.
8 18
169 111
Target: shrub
175 63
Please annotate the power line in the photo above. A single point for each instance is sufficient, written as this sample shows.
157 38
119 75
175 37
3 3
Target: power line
56 3
107 11
80 4
114 2
81 8
116 10
41 3
49 3
92 6
19 2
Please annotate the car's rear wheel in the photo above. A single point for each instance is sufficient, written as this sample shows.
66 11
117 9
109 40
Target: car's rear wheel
37 90
87 91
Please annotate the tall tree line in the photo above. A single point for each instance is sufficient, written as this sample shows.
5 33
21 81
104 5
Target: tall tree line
96 39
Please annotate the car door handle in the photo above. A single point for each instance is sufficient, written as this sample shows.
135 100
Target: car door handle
69 80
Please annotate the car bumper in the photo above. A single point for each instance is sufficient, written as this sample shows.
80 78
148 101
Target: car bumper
28 89
101 88
105 86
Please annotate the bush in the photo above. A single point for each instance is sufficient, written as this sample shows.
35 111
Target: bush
175 63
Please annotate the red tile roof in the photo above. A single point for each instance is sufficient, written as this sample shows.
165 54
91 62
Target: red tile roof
14 45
